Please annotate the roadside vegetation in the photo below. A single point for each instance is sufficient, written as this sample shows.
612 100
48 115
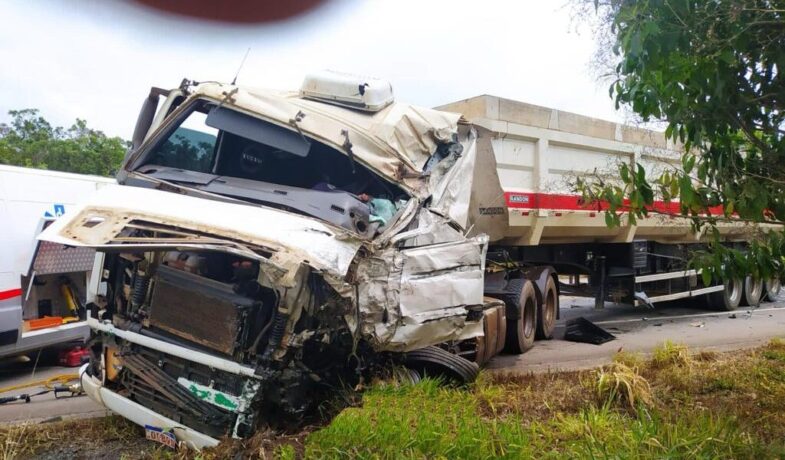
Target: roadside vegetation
673 404
712 73
29 140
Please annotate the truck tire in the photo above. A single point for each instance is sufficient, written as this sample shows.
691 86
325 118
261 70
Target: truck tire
753 291
521 316
729 298
436 362
772 288
547 311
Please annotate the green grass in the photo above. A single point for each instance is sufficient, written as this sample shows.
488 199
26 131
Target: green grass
427 422
675 404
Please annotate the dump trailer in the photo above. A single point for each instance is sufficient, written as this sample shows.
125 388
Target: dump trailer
42 285
525 201
263 248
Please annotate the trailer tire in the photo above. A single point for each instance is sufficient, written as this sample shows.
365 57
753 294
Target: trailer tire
753 292
727 299
433 361
772 288
547 311
521 316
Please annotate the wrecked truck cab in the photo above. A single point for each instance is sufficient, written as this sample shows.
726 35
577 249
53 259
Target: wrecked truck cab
264 248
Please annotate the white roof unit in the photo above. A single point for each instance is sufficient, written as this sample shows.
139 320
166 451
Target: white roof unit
364 93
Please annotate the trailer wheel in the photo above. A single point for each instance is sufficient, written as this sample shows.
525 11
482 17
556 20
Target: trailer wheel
436 362
753 291
772 288
521 316
547 311
729 298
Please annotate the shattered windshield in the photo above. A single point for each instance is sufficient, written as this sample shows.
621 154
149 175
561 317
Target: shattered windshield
219 150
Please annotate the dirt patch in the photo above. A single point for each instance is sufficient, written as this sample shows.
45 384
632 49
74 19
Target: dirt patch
533 396
107 437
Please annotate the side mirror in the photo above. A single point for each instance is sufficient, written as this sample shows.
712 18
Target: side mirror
146 116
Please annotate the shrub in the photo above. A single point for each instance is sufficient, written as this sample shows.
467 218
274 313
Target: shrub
619 384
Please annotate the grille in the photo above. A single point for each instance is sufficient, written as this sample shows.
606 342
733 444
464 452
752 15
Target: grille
148 380
199 310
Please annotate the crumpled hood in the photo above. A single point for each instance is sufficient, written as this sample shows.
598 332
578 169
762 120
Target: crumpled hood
198 223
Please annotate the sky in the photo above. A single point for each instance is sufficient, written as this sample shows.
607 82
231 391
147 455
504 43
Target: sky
96 60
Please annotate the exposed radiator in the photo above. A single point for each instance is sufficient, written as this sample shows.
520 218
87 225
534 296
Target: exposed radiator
200 310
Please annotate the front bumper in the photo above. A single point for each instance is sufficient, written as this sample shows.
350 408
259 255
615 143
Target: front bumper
139 414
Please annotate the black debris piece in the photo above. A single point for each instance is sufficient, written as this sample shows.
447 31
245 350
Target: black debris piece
584 331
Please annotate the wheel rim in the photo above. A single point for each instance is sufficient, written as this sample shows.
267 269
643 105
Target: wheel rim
753 288
550 308
529 324
733 290
773 287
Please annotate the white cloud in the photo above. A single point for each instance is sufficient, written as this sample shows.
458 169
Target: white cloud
97 59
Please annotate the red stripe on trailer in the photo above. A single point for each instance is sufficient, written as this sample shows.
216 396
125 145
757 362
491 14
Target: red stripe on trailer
10 294
524 200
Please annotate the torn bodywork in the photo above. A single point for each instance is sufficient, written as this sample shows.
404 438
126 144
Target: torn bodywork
264 249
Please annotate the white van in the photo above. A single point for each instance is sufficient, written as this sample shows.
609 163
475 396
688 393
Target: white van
41 290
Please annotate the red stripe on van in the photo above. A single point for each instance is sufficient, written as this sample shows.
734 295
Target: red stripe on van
10 294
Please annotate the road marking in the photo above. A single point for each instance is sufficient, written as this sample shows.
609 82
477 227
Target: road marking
699 315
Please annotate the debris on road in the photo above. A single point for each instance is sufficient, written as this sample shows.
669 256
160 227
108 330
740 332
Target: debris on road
582 330
65 385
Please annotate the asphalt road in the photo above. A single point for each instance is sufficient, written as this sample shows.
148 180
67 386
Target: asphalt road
43 408
636 329
640 329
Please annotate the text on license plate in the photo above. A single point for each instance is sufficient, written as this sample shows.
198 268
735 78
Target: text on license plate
157 434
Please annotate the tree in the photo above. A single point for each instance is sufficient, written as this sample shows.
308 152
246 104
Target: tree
31 141
711 70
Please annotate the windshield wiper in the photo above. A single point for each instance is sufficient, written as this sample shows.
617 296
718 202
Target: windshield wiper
178 175
186 189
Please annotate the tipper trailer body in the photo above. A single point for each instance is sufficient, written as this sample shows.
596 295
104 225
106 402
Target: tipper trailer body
263 247
534 215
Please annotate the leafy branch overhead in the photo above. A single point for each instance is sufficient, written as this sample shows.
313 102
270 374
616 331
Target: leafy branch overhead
31 141
712 71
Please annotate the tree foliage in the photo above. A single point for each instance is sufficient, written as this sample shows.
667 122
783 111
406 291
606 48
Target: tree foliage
711 70
31 141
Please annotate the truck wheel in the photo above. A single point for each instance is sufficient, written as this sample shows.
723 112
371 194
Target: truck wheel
436 362
772 288
547 311
521 316
753 290
728 299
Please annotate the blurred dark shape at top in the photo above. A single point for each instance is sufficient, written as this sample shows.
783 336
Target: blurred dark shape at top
235 11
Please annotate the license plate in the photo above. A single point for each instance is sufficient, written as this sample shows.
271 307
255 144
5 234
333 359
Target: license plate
160 435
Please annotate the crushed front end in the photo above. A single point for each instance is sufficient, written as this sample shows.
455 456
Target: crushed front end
265 251
197 338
